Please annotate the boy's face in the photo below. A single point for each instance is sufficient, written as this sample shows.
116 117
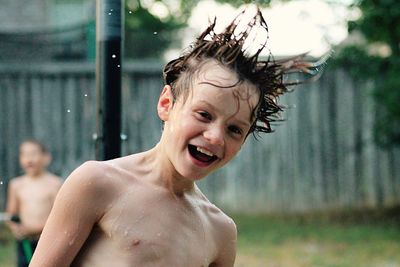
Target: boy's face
206 130
32 159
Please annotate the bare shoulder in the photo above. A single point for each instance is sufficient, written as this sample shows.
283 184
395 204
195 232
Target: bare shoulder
94 174
16 182
224 227
224 233
102 177
90 186
54 179
84 198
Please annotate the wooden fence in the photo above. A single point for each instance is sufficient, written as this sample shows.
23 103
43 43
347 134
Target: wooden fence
322 157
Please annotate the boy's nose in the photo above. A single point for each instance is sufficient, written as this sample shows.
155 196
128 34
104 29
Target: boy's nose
214 136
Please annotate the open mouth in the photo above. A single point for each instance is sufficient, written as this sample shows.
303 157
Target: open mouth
201 154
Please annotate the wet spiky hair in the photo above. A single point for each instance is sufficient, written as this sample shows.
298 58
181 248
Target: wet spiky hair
228 49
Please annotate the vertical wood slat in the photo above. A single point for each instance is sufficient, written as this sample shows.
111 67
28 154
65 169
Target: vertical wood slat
3 178
368 146
322 157
12 164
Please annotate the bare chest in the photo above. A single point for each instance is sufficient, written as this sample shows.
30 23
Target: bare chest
148 233
36 195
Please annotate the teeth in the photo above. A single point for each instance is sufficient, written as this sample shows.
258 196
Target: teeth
204 151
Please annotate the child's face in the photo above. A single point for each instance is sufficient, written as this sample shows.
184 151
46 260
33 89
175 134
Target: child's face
206 130
32 159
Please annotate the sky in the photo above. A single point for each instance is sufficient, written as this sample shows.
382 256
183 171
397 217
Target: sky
295 27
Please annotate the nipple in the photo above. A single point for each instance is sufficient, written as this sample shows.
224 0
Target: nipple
135 242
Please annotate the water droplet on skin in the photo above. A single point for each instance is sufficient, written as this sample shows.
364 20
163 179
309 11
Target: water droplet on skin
159 234
126 233
113 56
155 33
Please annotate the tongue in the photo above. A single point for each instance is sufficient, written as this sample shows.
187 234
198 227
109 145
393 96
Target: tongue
198 155
202 157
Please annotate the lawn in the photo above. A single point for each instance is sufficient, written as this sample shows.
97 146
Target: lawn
278 242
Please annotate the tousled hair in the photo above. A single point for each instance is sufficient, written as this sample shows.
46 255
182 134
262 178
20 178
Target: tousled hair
227 48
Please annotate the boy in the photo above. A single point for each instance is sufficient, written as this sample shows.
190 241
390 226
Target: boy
145 209
30 198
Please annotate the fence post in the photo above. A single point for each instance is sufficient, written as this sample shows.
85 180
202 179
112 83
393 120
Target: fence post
109 33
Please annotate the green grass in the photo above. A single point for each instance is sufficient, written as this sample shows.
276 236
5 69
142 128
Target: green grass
7 248
293 242
274 242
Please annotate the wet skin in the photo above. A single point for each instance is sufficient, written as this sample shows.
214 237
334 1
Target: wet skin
145 209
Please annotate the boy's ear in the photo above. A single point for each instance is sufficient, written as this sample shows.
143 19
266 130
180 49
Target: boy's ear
165 103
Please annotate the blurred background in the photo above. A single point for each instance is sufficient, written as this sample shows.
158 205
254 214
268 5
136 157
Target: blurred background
322 190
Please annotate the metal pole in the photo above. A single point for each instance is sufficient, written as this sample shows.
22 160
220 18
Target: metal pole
109 33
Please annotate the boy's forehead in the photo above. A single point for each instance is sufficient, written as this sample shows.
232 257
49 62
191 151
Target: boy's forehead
213 81
30 146
215 74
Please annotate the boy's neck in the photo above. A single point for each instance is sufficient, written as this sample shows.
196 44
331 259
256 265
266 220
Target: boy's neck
36 175
165 175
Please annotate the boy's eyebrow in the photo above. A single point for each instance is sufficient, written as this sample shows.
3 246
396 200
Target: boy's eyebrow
239 121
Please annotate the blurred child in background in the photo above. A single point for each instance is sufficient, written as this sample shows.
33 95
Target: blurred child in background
30 198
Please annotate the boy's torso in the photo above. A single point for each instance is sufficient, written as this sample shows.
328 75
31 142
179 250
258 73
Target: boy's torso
36 198
147 226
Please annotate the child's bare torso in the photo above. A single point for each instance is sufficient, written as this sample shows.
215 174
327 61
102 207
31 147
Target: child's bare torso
147 225
36 198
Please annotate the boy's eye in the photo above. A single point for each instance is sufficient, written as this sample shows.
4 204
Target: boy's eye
205 115
235 130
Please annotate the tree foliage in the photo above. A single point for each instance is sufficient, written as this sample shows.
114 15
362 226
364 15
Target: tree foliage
379 25
380 22
148 36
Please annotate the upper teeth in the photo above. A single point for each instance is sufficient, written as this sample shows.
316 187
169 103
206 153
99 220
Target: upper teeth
204 151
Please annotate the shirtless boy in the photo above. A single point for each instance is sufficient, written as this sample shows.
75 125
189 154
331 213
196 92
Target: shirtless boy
30 197
145 209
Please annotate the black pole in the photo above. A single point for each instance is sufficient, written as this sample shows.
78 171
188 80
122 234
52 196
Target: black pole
109 32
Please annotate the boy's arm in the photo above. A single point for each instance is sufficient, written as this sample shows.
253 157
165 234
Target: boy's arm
78 206
12 207
12 200
227 239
